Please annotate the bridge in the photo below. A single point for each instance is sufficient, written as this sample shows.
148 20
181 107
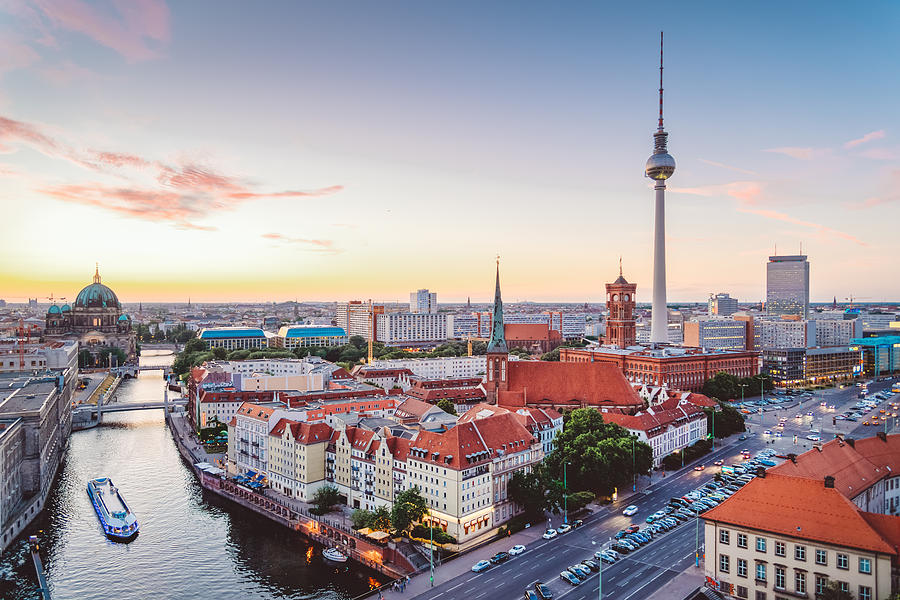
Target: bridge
126 406
89 415
133 370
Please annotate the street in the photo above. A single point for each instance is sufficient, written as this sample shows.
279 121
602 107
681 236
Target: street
640 574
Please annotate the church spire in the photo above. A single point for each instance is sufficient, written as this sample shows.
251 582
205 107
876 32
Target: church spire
497 342
96 272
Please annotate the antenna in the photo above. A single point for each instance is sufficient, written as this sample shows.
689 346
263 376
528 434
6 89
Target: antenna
660 80
801 248
620 265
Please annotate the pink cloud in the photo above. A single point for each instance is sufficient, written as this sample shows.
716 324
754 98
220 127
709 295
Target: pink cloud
745 191
822 229
313 245
137 30
16 55
66 72
729 167
880 154
288 194
794 152
873 135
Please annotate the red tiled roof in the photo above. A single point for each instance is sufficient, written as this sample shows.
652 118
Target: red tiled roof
801 508
433 395
655 421
398 447
572 384
523 332
471 444
255 411
412 408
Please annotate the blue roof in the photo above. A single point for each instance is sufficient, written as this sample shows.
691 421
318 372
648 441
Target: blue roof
231 332
54 310
306 331
887 340
66 308
123 317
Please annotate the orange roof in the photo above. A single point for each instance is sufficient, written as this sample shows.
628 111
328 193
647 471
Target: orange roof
412 408
302 432
568 384
254 411
801 508
655 421
521 332
472 443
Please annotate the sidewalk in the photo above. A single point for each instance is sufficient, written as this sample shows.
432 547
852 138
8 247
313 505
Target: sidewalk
683 584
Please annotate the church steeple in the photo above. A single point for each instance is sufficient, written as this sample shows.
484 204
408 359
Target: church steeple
497 342
96 272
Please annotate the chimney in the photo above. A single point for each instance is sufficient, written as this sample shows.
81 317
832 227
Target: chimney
761 472
829 481
851 441
792 457
882 436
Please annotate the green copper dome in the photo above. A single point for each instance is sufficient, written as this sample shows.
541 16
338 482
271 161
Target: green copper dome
96 295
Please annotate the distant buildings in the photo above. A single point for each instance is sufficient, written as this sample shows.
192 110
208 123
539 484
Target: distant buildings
305 336
412 329
478 325
787 286
359 318
716 334
438 368
423 301
235 338
880 355
722 305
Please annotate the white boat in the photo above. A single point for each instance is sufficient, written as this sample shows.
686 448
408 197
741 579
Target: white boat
119 523
334 555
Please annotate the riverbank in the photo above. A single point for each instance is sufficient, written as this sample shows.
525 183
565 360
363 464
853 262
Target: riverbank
388 560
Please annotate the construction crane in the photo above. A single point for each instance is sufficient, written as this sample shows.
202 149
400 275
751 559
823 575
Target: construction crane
371 333
23 336
851 298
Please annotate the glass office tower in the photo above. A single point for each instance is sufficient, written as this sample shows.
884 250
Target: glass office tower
787 286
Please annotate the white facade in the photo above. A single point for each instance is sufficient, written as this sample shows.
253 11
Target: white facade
837 332
403 328
716 334
448 367
353 318
784 334
423 301
478 325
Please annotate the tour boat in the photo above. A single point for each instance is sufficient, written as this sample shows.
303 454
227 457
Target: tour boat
119 523
334 555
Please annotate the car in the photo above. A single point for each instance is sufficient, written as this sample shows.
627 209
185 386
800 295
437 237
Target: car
531 595
577 523
865 422
851 418
590 564
516 550
605 557
630 510
632 529
564 528
620 547
809 414
779 434
699 468
719 463
542 590
812 438
580 571
742 437
500 557
569 578
798 416
651 518
549 534
620 534
480 566
771 463
767 432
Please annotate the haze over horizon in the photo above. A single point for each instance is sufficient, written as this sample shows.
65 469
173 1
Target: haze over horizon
319 153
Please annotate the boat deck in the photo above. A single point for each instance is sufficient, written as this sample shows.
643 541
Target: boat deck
109 497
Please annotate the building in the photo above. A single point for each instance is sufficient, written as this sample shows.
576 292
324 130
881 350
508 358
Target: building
837 332
722 305
791 367
542 423
780 333
306 336
446 367
359 318
478 325
674 329
767 542
27 357
297 457
787 286
677 368
412 329
235 338
716 334
12 455
666 428
423 301
533 338
95 320
248 437
880 355
620 304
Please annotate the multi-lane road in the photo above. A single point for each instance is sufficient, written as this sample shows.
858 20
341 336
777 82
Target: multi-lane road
641 574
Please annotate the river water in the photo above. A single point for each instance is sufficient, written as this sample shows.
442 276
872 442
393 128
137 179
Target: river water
192 544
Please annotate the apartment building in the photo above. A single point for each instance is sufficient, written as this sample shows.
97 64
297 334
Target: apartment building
478 325
356 318
447 367
837 332
722 304
767 543
667 427
716 334
784 333
416 329
423 301
296 461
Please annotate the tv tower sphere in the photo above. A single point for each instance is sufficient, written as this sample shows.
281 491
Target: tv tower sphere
660 166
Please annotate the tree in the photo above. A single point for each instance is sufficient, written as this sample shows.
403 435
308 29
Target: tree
361 518
85 359
194 345
529 491
722 386
381 518
728 420
409 507
220 353
358 341
326 497
119 358
446 406
553 355
579 500
833 591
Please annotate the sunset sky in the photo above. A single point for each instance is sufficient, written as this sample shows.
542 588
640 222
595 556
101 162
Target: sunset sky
236 151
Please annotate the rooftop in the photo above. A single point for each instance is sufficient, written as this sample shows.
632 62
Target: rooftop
215 333
308 331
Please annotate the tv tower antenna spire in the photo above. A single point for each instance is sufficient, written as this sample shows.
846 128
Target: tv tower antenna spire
660 81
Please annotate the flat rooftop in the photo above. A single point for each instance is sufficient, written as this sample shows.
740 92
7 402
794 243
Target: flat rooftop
23 394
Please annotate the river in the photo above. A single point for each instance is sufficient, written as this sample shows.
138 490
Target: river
192 544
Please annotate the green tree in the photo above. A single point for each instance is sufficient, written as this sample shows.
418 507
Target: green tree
579 500
362 518
728 420
833 591
529 491
194 345
553 355
381 518
85 359
325 498
119 358
358 341
722 386
409 508
446 406
220 353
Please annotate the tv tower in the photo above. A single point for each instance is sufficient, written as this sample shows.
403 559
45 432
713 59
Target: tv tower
660 167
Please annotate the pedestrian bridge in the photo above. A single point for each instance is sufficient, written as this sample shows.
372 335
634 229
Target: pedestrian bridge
126 406
133 370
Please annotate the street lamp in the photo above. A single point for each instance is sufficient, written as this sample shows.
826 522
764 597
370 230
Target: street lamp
697 542
565 495
633 468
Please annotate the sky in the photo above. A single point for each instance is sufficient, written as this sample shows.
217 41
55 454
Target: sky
235 151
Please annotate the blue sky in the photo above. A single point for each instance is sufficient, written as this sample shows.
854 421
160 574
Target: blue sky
355 149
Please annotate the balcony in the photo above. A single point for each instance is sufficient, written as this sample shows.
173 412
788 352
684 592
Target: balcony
245 440
254 444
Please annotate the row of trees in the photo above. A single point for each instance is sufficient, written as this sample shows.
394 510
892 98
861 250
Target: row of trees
152 333
723 386
408 509
725 421
598 457
105 358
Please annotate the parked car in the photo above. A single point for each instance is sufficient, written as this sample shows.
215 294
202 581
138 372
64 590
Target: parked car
480 566
531 595
604 556
632 529
580 571
699 468
577 523
630 510
564 528
542 590
549 534
813 438
500 557
590 564
569 578
516 550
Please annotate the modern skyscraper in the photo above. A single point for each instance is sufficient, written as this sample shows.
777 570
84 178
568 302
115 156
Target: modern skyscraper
787 286
660 166
422 301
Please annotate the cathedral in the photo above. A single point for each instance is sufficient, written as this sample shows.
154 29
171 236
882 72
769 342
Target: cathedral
95 320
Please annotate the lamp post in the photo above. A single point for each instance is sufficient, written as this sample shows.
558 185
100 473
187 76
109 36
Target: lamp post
742 386
565 495
697 542
633 469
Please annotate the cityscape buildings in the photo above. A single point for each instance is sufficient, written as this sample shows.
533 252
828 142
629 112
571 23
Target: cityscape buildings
423 301
722 305
787 286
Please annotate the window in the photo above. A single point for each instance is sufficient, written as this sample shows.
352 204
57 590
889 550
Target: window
779 578
843 562
760 595
800 582
760 572
741 592
723 563
779 548
821 584
865 593
742 540
865 566
845 587
821 557
760 544
741 567
723 536
800 552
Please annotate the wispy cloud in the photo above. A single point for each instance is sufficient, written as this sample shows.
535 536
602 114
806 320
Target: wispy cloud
872 135
818 227
745 191
729 167
881 154
795 152
890 196
136 29
181 194
311 245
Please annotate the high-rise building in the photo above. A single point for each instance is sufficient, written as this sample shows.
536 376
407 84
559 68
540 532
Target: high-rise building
355 318
787 286
423 301
717 334
397 329
722 305
620 303
660 166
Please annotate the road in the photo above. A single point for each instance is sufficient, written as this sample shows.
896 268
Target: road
639 575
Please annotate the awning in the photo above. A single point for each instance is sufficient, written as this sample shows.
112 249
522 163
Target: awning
378 535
